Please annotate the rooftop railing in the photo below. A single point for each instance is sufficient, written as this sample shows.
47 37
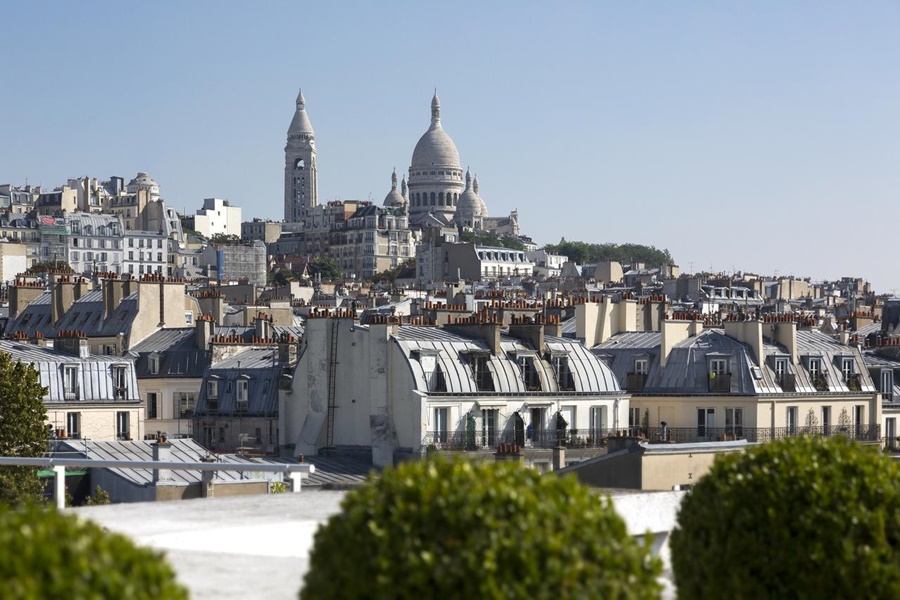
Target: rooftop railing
295 472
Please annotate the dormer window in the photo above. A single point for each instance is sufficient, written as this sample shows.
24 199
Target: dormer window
478 362
120 381
212 389
641 366
153 364
243 394
846 368
815 367
70 382
564 377
529 373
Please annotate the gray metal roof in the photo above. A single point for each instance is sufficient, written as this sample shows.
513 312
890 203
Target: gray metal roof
183 450
259 368
176 353
95 376
451 350
687 367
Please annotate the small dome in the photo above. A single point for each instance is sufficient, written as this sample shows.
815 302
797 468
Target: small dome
394 197
469 204
435 148
143 182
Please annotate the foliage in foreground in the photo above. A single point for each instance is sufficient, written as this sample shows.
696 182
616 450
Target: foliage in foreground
23 429
798 518
439 529
48 554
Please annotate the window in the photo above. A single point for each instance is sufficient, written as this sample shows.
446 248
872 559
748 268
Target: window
634 420
484 381
489 427
598 423
441 424
122 430
243 387
153 366
529 373
815 367
780 369
734 421
716 367
212 388
184 404
792 420
859 412
706 422
640 366
188 317
152 406
564 376
70 382
887 385
120 382
826 420
846 368
73 424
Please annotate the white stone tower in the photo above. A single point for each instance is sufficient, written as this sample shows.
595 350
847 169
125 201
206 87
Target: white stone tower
301 187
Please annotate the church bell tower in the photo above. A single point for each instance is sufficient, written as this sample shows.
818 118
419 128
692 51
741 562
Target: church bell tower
300 176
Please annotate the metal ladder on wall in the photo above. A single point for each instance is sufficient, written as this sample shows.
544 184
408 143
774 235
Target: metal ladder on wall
332 376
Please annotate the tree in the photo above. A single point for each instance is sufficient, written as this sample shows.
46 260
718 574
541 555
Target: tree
581 252
48 554
23 429
324 267
44 267
439 529
225 238
489 238
804 517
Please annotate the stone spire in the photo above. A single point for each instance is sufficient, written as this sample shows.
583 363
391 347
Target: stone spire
435 110
394 179
468 178
301 126
404 190
475 184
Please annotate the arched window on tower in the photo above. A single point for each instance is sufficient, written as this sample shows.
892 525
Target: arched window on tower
441 199
432 198
300 164
418 201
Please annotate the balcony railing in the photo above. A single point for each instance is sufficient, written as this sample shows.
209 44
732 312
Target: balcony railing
720 383
634 382
864 433
545 438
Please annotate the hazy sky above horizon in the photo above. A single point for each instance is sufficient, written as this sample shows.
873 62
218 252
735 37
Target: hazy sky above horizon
753 136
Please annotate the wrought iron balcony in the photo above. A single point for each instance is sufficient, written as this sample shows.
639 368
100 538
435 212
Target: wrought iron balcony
864 433
720 383
543 438
634 382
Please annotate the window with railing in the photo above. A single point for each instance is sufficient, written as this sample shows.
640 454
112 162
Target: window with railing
184 404
243 395
73 424
70 382
123 432
887 385
120 382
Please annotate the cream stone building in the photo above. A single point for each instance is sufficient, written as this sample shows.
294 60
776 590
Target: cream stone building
393 388
750 379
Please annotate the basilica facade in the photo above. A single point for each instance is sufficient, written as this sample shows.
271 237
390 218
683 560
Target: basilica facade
436 191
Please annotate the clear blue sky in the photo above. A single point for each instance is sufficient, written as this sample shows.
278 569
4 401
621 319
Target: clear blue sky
757 136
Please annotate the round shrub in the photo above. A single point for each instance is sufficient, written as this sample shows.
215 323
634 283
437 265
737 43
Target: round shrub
48 554
799 518
439 529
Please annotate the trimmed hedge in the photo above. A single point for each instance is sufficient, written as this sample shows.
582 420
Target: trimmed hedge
799 518
48 554
439 529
